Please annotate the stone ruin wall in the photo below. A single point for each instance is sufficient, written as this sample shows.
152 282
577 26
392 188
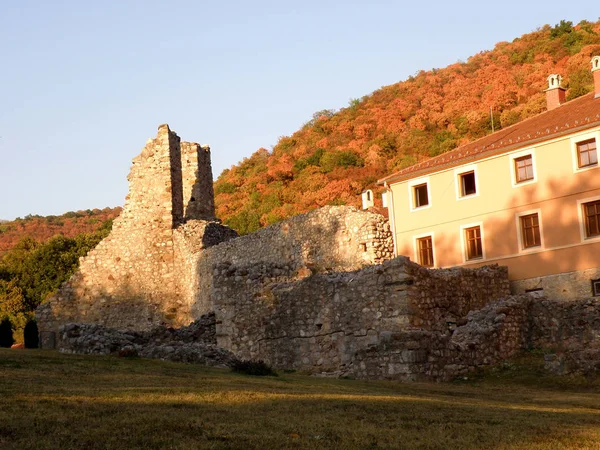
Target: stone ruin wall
566 286
569 332
317 292
332 238
142 274
397 320
335 322
485 337
156 266
197 181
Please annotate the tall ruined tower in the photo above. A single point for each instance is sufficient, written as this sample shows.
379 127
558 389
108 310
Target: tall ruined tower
170 182
198 193
144 273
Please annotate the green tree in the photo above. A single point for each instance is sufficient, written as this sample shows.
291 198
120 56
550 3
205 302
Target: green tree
331 160
31 334
32 271
244 222
11 298
6 333
564 27
580 83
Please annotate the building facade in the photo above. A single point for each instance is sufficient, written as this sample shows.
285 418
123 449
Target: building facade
527 196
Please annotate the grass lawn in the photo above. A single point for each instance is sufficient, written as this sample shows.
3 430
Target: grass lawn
54 401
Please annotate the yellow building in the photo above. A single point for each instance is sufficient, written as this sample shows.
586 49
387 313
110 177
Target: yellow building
527 196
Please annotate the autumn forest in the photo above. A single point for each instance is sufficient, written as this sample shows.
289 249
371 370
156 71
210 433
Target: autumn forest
334 156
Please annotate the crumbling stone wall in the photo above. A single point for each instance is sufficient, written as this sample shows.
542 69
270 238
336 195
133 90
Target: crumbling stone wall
569 332
566 286
156 266
194 343
332 238
142 274
321 322
495 332
317 292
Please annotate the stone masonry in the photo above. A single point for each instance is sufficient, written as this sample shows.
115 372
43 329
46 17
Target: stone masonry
323 322
329 239
142 274
194 344
567 286
319 292
156 266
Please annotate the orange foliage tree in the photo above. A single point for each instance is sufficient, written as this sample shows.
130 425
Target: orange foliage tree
336 155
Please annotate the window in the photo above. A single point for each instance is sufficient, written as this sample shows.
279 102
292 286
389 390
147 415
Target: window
523 168
421 197
591 216
596 288
530 231
473 245
467 183
367 199
418 194
425 251
586 153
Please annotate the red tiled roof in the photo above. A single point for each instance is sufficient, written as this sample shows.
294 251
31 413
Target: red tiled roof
576 115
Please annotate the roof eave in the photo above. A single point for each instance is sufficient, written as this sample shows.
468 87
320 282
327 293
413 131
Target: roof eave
391 179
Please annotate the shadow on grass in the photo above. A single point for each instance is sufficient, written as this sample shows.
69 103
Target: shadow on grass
104 402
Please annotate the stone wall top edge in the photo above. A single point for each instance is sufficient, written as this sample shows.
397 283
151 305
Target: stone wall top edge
299 219
204 147
392 264
458 270
398 260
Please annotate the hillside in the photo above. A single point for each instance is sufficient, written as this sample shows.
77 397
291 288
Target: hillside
336 155
41 228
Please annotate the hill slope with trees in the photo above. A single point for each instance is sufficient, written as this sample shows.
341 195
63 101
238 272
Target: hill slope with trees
336 155
38 254
40 228
31 271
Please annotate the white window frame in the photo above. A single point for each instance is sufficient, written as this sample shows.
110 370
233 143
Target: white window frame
513 172
416 248
575 157
367 199
411 193
596 285
458 181
463 242
582 219
542 245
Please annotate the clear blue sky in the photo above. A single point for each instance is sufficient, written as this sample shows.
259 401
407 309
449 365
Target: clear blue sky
83 84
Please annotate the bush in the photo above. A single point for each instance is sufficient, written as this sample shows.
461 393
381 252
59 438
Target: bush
345 159
128 352
225 188
6 333
255 368
31 334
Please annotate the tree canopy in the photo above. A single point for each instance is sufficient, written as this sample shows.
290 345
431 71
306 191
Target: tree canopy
31 271
334 156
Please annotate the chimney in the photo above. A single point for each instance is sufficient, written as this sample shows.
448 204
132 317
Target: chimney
596 72
555 94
